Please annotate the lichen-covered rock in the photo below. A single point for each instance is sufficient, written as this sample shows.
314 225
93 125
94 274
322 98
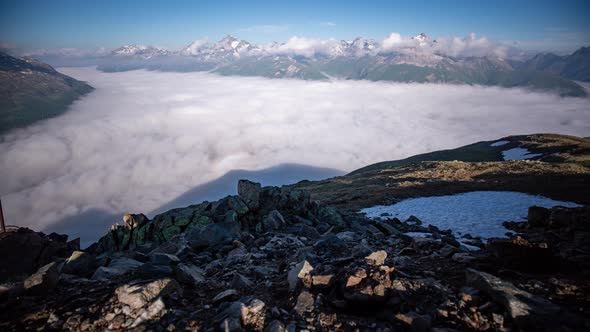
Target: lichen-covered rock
249 192
331 216
236 204
169 232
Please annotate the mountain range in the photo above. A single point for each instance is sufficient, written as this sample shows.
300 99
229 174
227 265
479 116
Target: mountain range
31 90
417 59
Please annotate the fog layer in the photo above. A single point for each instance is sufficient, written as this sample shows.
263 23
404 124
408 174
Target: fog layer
143 138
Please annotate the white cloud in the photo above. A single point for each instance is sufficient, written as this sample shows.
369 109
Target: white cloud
328 24
396 42
195 46
143 138
394 39
471 45
303 46
468 46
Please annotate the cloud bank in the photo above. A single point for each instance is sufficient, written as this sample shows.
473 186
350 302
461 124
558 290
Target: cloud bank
143 138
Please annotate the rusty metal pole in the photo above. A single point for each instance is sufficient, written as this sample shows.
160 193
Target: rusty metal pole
2 225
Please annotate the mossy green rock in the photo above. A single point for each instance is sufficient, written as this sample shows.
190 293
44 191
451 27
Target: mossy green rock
125 239
182 217
163 221
331 216
236 204
169 232
200 221
141 235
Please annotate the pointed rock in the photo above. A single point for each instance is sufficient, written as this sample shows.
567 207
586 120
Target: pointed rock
377 258
227 295
249 192
44 280
138 295
526 309
189 274
299 274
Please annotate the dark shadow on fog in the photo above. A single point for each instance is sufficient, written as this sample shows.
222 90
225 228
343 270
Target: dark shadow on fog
91 225
228 183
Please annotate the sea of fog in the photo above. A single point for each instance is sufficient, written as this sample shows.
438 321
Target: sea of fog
144 141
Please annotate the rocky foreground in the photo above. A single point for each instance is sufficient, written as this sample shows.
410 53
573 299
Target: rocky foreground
271 259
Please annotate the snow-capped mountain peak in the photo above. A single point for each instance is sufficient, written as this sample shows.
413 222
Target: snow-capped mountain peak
195 47
363 46
422 39
141 51
129 49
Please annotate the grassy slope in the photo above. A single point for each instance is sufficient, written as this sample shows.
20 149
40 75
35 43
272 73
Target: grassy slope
562 172
31 91
31 109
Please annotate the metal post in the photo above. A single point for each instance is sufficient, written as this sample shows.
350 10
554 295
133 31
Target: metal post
2 225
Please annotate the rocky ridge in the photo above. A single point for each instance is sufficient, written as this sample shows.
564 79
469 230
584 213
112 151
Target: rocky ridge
272 259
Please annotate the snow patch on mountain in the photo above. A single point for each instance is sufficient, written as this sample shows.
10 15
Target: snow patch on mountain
518 154
479 213
499 143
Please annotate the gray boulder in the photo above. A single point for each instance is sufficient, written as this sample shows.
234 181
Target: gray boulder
305 231
538 216
305 303
273 221
275 326
247 314
151 270
241 282
139 294
331 216
376 258
189 274
44 280
213 234
163 259
79 263
249 192
298 274
526 309
117 267
226 295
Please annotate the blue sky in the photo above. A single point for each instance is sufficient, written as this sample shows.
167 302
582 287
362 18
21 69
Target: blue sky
539 25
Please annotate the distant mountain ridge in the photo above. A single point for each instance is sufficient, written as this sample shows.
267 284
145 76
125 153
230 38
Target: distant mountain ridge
31 90
416 59
575 66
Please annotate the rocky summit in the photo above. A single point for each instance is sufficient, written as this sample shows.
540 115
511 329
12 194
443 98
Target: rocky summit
272 259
